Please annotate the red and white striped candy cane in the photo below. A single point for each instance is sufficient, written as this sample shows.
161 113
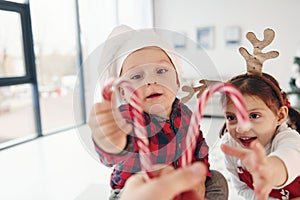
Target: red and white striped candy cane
193 131
139 124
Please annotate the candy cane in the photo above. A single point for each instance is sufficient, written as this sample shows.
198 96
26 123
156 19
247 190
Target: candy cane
138 121
193 131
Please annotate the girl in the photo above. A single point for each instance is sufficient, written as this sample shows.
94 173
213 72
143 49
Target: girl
266 156
262 159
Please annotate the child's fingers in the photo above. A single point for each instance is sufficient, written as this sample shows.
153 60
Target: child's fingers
135 181
182 179
262 193
108 117
102 106
262 185
107 104
198 193
260 156
234 151
166 186
258 149
161 169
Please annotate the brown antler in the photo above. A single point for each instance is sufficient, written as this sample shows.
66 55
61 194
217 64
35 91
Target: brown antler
192 90
255 61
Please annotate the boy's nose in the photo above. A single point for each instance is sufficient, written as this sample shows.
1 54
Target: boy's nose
149 83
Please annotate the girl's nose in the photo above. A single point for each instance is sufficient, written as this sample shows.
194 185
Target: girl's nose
242 128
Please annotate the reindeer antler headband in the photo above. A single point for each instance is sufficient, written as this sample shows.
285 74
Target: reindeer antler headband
254 64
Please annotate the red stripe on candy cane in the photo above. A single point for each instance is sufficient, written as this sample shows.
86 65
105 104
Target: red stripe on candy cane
193 131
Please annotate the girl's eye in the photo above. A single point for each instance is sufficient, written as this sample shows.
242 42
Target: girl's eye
254 116
136 77
230 117
161 71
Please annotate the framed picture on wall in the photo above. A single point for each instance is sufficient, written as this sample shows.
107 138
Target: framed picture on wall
179 40
232 35
205 37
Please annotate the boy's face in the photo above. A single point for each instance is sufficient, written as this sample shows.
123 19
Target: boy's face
263 121
153 75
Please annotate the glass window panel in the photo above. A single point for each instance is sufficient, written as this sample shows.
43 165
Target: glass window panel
17 118
11 46
54 34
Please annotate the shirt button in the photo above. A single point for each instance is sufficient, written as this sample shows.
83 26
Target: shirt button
179 145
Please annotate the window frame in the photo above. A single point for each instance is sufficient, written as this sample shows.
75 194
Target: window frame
30 68
30 76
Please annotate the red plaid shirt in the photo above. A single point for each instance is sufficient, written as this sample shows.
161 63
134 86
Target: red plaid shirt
166 142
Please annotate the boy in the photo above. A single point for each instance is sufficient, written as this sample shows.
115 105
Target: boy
153 70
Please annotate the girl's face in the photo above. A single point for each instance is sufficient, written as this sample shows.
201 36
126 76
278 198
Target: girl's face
153 75
263 121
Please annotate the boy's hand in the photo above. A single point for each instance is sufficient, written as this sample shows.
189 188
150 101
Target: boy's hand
261 167
109 128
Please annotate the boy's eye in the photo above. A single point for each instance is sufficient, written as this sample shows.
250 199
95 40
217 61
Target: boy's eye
136 77
254 116
161 71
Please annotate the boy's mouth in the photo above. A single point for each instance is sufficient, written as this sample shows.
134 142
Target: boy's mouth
153 95
246 141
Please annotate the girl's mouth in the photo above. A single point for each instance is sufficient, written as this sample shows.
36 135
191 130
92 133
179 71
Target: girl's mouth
246 141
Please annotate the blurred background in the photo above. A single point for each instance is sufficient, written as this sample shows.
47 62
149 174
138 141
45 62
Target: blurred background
43 48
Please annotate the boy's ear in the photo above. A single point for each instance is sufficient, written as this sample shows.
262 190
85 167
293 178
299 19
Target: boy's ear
282 114
121 92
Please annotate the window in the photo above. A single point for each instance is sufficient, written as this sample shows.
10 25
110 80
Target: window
41 57
56 56
38 69
19 107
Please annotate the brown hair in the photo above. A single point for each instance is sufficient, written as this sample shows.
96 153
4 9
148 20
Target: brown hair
266 88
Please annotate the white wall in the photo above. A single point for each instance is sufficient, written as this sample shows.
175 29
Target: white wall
281 15
98 18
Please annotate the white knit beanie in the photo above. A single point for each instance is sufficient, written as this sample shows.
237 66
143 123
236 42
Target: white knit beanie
124 40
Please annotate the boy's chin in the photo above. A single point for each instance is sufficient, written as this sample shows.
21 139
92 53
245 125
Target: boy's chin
159 110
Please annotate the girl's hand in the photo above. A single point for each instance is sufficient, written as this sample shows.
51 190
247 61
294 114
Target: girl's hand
262 168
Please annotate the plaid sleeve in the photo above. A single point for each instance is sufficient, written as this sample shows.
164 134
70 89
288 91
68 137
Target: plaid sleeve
109 159
201 152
